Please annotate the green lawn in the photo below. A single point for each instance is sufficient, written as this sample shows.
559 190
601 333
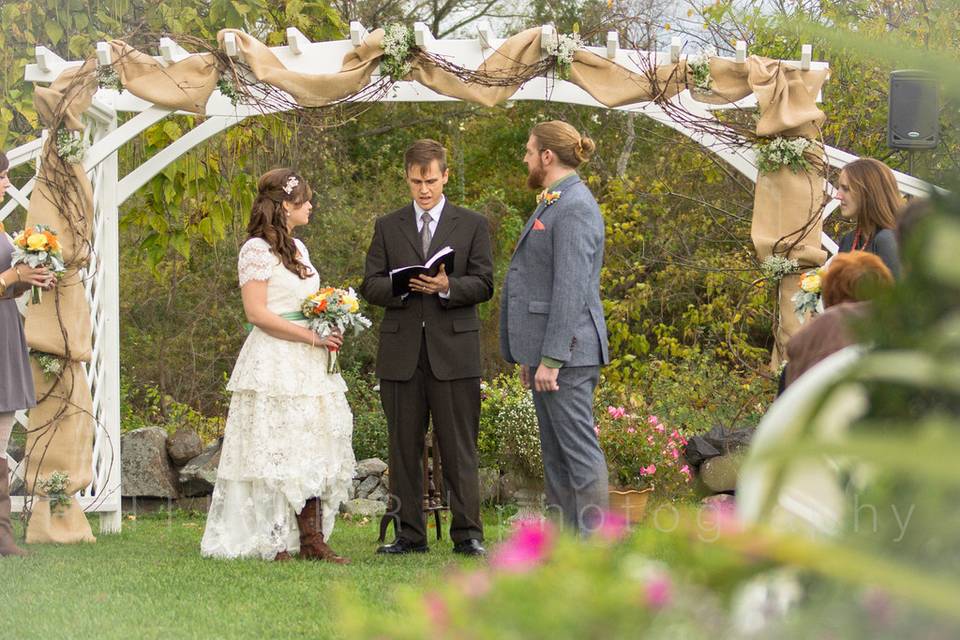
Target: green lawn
150 582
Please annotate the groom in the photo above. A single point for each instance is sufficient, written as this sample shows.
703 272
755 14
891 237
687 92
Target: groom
429 356
551 320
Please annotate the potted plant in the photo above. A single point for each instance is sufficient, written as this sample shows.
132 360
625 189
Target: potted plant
642 453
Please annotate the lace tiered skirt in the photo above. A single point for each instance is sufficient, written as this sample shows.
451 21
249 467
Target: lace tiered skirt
288 439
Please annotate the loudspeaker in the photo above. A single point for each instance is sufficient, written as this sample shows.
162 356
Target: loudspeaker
913 115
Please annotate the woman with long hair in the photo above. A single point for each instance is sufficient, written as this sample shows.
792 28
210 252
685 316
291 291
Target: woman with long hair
16 381
869 195
287 461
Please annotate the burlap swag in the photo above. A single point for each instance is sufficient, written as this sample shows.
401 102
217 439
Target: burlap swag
784 203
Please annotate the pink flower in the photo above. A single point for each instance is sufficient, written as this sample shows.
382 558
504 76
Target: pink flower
596 429
660 428
685 469
631 430
475 584
613 527
676 454
648 470
658 592
616 412
650 439
653 420
436 610
527 547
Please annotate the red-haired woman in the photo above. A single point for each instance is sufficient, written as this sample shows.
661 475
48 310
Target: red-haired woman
287 461
851 281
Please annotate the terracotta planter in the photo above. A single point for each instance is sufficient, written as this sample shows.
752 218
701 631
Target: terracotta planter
629 503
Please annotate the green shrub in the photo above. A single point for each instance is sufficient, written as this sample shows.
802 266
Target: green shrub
509 432
370 438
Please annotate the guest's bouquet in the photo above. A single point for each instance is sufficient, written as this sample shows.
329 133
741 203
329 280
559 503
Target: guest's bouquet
330 310
38 247
809 298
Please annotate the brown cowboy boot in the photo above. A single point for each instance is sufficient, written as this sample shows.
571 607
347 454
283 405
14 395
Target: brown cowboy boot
7 546
282 556
312 545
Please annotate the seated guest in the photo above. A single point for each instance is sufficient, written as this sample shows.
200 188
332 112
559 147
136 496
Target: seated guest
869 195
851 281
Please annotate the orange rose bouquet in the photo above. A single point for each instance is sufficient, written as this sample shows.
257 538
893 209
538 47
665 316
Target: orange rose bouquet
38 247
332 309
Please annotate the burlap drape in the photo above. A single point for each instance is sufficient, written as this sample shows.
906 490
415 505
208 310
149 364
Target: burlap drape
61 427
65 444
783 204
786 205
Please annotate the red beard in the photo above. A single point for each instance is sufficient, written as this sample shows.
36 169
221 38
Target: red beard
535 177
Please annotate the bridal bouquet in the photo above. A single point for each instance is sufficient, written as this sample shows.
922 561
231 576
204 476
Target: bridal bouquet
37 247
330 310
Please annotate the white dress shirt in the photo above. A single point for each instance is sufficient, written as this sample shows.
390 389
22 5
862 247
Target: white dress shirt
435 214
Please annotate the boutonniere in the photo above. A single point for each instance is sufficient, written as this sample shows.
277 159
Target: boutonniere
3 229
547 197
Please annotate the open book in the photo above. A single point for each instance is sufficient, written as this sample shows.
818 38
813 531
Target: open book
400 278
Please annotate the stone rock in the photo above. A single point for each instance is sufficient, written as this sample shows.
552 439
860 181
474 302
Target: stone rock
380 493
364 508
145 466
200 474
489 485
183 446
370 467
719 473
369 484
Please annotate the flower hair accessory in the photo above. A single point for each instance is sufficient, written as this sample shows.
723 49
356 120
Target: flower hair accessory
292 183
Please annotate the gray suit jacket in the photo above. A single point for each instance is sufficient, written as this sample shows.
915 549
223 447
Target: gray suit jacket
550 305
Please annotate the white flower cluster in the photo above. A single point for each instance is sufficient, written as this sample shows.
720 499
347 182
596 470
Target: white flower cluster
398 43
71 146
783 152
776 267
699 66
292 183
564 48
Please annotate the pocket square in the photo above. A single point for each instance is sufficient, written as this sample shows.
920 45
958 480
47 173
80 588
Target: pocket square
538 226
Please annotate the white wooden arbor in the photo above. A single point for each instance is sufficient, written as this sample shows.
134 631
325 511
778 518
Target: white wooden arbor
111 190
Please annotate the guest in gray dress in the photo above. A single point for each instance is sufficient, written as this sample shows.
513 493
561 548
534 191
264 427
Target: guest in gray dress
16 381
869 195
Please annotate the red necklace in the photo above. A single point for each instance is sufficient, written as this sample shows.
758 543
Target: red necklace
856 241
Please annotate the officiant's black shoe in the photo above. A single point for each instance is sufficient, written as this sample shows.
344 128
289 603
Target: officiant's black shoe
401 546
470 547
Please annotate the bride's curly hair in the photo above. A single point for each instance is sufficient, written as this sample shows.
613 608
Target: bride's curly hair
268 218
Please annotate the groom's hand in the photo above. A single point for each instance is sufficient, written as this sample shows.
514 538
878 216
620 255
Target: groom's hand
525 376
545 380
426 285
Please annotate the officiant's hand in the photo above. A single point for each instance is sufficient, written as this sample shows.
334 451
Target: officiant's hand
429 286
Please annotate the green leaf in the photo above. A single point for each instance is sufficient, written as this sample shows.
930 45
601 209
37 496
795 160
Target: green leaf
181 243
53 30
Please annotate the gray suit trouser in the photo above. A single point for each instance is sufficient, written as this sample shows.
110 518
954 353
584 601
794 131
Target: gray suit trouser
573 464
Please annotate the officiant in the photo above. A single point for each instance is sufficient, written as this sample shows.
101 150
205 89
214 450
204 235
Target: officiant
428 360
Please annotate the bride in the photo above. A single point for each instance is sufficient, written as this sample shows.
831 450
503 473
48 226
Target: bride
287 460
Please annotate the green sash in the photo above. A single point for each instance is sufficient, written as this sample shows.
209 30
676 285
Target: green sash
292 316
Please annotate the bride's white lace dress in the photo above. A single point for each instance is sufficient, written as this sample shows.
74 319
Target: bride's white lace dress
288 433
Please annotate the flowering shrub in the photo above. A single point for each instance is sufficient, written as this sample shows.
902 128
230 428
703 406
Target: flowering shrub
509 431
641 452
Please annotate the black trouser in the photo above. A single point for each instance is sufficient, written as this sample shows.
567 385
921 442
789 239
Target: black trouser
454 406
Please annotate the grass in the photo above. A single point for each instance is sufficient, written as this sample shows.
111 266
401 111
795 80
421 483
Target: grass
150 582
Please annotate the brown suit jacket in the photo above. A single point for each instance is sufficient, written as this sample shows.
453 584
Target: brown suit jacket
451 327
